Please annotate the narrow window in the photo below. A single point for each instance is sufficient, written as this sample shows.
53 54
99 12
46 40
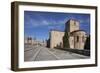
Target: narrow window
77 38
82 38
74 23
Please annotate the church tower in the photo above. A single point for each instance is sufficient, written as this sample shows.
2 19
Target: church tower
71 25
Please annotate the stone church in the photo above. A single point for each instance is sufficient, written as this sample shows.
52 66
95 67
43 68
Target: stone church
76 37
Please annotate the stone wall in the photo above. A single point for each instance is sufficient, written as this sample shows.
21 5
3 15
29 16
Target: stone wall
56 38
79 39
71 25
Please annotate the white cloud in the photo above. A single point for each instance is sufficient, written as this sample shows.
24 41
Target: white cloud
84 21
32 22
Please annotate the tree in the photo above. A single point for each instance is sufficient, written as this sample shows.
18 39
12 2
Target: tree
48 43
66 40
87 43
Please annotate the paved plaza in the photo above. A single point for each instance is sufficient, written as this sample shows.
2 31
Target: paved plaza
41 53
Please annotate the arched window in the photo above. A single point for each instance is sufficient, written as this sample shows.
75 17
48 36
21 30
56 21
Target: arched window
77 39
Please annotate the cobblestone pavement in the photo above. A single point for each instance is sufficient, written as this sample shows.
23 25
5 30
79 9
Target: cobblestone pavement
41 53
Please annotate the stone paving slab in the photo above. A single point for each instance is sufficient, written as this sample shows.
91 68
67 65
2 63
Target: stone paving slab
40 53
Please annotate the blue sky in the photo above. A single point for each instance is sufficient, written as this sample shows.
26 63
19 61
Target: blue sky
38 24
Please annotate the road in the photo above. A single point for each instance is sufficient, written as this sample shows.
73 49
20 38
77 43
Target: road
41 53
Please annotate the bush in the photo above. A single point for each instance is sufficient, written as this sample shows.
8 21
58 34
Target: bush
87 43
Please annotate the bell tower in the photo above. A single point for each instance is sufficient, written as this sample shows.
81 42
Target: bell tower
71 25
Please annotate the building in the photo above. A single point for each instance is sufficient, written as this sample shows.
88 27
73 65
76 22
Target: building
28 40
56 38
76 37
34 41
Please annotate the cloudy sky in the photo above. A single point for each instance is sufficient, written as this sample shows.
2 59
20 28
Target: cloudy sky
38 24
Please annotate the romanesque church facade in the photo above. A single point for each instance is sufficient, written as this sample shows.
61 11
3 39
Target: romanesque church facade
76 36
